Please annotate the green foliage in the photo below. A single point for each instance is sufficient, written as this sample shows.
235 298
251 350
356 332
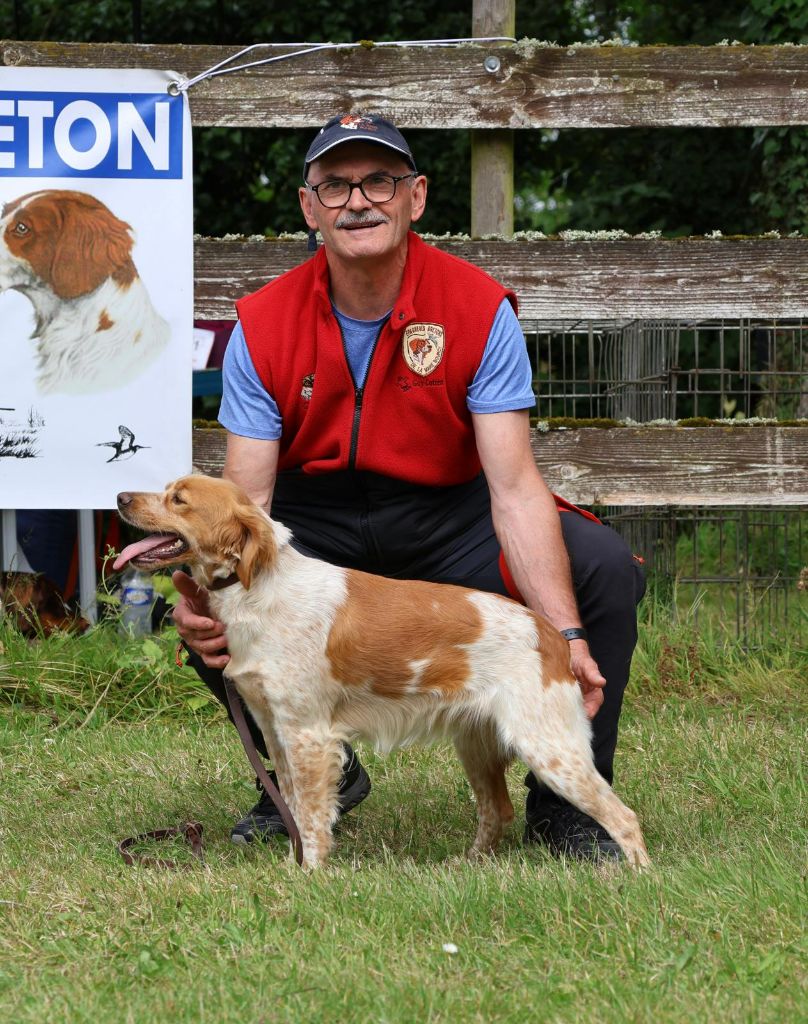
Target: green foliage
778 21
101 676
679 181
781 198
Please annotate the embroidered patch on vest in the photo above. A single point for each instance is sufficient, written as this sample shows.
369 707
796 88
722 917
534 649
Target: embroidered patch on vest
308 385
422 347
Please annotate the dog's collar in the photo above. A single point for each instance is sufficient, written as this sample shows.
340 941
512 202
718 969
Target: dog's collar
220 582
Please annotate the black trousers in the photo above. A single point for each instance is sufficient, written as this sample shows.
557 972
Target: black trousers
351 524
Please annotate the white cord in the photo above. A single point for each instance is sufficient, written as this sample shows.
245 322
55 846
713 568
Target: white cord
175 88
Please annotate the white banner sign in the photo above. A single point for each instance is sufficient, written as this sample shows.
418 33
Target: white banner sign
96 285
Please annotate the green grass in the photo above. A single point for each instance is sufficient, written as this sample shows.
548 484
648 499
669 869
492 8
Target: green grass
98 677
710 757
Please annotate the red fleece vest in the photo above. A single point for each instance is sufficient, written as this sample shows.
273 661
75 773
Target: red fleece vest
410 421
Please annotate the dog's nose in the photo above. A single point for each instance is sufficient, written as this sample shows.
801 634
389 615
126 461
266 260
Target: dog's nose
124 499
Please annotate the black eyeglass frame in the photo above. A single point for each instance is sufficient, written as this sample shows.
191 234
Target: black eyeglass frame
395 178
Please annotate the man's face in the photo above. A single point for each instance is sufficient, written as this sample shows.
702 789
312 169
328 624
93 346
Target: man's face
362 229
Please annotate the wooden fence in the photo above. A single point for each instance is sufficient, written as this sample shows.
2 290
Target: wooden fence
535 86
523 86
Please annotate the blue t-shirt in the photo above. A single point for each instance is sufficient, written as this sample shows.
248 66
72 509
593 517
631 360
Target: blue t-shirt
502 383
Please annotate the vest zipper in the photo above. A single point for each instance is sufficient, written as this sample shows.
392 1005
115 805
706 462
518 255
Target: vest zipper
359 393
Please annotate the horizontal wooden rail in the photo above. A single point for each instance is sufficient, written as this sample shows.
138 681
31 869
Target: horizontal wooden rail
537 85
644 278
732 465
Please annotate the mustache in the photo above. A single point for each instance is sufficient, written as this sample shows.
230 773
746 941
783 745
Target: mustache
363 218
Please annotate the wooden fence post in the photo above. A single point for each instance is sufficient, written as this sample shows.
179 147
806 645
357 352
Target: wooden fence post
492 151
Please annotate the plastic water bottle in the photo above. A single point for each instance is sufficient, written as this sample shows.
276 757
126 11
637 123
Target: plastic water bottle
137 598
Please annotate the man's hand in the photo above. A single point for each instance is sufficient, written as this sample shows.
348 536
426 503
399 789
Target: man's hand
587 673
201 633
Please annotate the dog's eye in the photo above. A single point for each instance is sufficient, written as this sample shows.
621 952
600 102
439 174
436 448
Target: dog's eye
178 500
21 229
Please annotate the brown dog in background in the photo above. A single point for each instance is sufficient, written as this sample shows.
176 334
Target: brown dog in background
35 607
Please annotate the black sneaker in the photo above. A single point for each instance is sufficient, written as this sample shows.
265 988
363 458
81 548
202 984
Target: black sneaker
568 832
264 820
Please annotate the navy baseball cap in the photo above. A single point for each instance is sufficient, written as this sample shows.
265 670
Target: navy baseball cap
354 127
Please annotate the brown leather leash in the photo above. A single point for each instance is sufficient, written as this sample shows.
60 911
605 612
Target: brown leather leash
192 832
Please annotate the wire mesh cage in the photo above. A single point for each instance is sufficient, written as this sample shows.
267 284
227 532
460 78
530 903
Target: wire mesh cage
649 369
738 566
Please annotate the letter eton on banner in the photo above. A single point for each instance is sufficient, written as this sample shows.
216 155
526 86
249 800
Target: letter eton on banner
96 285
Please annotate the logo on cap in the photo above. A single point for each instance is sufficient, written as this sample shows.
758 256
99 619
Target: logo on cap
355 121
422 347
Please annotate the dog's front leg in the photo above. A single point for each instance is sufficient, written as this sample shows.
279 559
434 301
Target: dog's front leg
261 712
313 761
277 755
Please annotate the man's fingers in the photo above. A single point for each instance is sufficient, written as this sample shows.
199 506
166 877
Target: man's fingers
588 674
185 585
593 701
211 644
216 660
192 614
216 632
586 671
187 622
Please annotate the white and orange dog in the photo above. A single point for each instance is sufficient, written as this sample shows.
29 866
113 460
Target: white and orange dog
96 327
323 655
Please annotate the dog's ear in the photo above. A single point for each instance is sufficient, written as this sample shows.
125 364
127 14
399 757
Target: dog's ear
259 549
91 246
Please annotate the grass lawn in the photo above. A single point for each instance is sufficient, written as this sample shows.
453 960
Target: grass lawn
714 931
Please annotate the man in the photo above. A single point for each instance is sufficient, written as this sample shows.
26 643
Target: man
377 397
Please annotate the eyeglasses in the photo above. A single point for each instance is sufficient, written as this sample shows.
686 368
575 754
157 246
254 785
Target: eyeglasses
376 188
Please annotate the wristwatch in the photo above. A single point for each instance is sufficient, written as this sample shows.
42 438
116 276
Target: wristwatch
576 633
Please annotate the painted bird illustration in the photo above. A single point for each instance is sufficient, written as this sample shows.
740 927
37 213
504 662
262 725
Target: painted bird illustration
125 448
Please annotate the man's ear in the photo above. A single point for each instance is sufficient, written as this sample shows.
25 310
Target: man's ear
419 189
258 549
307 201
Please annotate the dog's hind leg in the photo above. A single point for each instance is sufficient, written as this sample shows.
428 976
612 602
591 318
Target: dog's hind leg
551 734
484 764
579 782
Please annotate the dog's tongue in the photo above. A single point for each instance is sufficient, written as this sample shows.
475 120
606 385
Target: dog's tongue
133 550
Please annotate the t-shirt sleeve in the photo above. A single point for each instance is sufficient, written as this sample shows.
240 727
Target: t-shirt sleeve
247 408
504 380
